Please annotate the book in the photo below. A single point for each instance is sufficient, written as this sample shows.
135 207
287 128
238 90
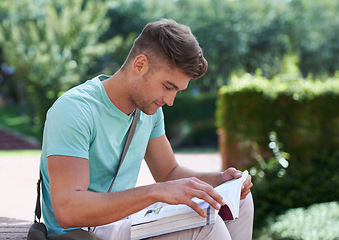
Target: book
161 218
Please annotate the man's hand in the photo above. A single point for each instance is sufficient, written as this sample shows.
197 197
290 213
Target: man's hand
232 173
182 191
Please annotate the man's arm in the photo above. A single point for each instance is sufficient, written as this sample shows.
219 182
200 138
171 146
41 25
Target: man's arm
74 206
163 166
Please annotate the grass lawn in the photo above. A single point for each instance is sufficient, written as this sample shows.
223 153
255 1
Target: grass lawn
196 150
11 120
4 153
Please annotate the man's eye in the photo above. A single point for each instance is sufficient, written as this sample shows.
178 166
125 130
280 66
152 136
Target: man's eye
168 88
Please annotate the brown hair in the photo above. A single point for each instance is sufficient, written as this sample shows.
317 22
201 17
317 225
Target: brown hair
172 43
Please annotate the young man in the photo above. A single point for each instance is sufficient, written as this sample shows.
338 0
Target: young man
87 127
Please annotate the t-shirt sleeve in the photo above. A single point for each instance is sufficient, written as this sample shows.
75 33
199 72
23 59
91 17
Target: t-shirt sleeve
68 128
159 125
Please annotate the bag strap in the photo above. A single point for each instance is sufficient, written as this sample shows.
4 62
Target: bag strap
38 202
127 143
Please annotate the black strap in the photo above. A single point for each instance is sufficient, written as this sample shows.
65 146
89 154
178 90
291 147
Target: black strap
38 202
128 141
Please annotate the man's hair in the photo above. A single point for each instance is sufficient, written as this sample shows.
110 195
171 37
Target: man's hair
171 43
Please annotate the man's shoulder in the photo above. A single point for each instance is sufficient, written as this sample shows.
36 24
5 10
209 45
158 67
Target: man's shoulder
81 94
85 89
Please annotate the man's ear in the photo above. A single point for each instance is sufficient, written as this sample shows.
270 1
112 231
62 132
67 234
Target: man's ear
140 65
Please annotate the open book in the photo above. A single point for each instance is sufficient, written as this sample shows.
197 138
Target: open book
161 218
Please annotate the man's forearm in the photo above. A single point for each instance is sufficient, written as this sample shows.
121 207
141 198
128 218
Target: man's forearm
84 208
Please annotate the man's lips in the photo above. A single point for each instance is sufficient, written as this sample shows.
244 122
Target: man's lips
159 105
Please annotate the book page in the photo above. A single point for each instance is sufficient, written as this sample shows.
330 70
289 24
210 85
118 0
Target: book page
156 220
161 218
154 213
231 190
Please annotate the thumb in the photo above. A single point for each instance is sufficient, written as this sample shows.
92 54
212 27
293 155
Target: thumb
232 173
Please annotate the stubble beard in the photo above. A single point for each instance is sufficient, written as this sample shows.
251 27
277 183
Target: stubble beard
146 106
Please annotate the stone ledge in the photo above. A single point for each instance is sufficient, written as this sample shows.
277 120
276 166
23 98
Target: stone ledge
13 228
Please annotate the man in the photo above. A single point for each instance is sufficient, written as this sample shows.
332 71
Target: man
86 129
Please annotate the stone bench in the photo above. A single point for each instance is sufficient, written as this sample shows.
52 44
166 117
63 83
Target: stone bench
13 228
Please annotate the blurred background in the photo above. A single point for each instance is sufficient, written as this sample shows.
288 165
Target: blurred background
268 103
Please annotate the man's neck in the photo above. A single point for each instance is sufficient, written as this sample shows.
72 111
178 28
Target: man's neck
116 88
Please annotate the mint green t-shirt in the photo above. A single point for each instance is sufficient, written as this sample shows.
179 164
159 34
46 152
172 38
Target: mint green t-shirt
84 123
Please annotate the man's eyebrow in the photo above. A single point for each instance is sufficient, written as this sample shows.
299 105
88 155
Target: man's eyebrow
174 86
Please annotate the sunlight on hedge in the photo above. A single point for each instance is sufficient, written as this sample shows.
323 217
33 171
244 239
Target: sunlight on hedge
320 221
301 89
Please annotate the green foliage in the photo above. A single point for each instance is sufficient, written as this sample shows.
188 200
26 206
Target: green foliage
314 35
288 133
11 120
52 49
319 221
281 184
234 37
191 121
244 35
251 107
54 45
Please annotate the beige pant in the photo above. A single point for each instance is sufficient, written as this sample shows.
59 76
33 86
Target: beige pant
238 229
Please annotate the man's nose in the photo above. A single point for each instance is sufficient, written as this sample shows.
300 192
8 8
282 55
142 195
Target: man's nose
169 98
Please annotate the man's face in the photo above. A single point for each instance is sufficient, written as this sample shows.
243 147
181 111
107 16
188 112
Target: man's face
158 87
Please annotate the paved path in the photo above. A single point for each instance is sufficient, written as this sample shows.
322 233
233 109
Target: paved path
19 173
13 228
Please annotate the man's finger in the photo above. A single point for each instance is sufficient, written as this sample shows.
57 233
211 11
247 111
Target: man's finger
196 208
234 173
244 194
206 192
211 201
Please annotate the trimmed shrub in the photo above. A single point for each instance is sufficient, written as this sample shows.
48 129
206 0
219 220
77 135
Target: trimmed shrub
287 134
281 184
304 114
319 221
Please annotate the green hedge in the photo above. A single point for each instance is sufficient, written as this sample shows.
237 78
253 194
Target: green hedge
191 121
303 113
302 183
289 134
319 221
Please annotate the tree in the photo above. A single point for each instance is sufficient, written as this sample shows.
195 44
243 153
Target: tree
315 36
51 45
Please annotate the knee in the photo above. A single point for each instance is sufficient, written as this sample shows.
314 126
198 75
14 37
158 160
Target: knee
218 230
247 206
